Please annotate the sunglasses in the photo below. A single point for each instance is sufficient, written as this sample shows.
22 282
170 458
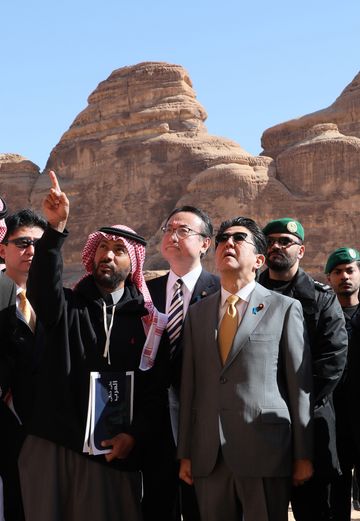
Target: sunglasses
237 237
22 242
283 242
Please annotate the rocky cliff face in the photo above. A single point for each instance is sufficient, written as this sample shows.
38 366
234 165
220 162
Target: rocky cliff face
344 112
17 178
140 148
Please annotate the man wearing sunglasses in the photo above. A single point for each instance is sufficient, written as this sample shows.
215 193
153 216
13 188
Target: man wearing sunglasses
186 239
245 423
328 341
24 228
17 250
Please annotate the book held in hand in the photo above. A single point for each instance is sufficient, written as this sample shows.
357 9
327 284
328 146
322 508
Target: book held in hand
110 408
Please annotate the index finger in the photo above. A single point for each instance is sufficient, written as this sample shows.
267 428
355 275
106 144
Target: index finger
54 181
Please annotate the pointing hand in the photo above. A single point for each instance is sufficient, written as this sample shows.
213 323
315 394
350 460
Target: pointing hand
56 205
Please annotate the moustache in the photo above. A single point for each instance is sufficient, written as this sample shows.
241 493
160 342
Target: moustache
279 253
105 264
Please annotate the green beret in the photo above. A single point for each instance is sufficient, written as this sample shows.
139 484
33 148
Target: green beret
341 256
285 225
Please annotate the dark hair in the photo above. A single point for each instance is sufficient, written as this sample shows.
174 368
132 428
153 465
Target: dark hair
258 236
207 227
23 218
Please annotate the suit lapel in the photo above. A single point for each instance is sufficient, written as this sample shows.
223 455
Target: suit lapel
209 326
256 310
204 286
158 293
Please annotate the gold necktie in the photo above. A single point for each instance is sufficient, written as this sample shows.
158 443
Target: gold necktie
24 306
228 327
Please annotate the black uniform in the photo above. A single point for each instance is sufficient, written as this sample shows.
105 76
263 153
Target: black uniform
328 340
346 402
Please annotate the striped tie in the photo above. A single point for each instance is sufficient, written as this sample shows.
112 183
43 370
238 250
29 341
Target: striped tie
175 315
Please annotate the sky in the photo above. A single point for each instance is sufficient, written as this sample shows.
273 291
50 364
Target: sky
253 64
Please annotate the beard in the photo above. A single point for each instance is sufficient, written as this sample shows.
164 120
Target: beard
281 262
111 279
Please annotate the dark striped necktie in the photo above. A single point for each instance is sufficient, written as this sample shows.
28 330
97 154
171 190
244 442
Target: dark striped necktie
175 315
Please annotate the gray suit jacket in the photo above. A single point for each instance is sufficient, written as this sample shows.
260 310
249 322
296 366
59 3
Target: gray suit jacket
261 395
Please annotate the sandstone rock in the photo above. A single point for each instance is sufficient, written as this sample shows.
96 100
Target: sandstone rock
140 148
324 163
131 154
17 178
344 112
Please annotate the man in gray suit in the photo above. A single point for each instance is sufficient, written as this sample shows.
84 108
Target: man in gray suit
245 413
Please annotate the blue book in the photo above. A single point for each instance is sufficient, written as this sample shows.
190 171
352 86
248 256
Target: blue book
110 409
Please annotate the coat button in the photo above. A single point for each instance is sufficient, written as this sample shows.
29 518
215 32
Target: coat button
223 380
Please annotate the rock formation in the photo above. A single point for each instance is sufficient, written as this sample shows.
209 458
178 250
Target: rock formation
344 112
17 178
140 148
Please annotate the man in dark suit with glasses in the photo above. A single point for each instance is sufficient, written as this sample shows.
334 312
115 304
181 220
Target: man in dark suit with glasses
186 239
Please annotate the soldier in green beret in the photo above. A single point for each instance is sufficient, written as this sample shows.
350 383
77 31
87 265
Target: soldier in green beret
343 273
328 340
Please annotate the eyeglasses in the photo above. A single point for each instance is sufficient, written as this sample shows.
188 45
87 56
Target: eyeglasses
22 242
283 242
237 237
181 232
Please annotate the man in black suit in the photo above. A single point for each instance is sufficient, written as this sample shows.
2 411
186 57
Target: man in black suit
186 239
18 351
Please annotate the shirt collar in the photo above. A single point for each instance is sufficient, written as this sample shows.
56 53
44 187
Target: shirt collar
189 279
244 293
115 295
19 290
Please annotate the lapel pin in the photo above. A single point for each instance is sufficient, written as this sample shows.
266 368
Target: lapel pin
258 308
199 297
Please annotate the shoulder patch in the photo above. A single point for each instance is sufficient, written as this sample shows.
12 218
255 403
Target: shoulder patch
321 286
